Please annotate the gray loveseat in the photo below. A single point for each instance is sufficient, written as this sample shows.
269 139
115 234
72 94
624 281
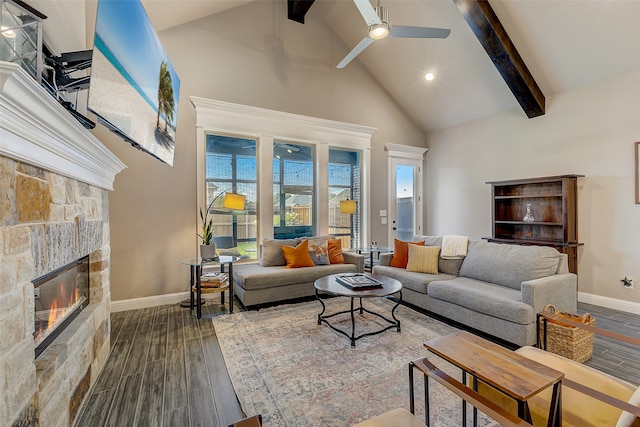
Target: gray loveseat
271 281
496 288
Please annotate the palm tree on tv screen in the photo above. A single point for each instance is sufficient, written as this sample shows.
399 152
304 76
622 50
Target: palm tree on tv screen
165 97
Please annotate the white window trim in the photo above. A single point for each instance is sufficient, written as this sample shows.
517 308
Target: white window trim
265 126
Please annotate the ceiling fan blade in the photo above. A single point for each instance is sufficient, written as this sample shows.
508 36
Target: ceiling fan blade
368 12
355 52
419 32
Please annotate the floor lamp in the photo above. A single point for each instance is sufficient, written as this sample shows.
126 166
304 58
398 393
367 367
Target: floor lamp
349 207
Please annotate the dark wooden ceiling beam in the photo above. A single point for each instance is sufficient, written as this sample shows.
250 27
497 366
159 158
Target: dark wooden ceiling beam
502 52
297 9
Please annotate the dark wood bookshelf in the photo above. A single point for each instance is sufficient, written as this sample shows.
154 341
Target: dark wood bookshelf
553 203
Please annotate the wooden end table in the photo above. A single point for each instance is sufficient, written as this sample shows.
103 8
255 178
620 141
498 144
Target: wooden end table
507 371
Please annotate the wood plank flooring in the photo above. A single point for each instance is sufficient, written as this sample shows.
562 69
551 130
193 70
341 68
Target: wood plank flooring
166 367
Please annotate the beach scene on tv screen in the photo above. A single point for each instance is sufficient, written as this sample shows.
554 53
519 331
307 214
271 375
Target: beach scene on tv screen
134 87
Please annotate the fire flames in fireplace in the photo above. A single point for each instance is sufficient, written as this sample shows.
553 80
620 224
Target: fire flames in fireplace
59 297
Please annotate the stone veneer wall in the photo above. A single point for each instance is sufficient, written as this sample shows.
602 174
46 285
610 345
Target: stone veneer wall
46 221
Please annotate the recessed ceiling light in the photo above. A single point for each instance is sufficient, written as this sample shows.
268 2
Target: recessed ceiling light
429 76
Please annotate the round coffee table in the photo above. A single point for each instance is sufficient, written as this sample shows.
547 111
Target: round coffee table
331 286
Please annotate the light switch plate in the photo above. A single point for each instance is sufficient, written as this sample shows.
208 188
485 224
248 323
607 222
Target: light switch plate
383 220
383 212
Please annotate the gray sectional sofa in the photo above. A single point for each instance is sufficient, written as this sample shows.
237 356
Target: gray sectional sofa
496 288
270 280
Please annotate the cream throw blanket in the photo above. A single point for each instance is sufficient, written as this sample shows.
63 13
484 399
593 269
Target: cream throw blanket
454 247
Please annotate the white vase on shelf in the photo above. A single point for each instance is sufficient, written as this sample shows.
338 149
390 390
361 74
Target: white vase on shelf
528 217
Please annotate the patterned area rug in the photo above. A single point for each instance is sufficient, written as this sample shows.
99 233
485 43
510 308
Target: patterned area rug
294 372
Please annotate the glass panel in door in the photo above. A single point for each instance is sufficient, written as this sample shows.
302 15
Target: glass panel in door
405 206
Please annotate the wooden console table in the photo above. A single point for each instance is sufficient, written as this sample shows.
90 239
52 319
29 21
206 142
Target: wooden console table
508 372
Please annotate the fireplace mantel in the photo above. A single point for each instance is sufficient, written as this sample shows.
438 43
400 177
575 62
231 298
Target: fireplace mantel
36 129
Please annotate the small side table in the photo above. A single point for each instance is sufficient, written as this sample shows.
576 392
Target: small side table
196 265
372 250
505 370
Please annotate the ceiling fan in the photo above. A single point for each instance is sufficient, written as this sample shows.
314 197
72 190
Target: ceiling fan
378 21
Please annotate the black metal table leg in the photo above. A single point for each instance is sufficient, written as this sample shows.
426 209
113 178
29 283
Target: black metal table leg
191 285
324 307
353 323
198 291
230 287
222 293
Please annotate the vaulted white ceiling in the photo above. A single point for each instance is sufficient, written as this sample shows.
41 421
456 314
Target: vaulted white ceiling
566 44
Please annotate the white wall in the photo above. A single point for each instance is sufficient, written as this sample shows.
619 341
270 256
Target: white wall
588 131
249 55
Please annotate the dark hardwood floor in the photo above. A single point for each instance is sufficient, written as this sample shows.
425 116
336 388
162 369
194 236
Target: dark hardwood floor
166 367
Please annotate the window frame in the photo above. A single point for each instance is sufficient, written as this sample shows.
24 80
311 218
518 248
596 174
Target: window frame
266 126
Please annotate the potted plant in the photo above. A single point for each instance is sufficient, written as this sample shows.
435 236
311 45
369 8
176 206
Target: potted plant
207 248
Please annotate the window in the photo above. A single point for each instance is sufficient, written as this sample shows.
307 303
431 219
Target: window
293 201
344 184
231 168
301 175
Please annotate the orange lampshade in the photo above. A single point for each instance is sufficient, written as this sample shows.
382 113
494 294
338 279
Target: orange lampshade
233 201
347 207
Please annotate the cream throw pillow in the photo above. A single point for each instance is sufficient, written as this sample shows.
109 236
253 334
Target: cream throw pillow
423 259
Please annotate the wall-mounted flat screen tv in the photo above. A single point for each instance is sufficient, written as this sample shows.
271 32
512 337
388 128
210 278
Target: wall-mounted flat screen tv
134 89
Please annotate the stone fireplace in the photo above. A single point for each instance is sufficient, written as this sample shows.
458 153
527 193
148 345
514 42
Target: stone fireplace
54 209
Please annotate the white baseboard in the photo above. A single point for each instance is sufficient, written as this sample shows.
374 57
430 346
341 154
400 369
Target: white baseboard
616 304
143 302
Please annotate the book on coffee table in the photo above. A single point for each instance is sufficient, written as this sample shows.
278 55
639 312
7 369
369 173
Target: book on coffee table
358 281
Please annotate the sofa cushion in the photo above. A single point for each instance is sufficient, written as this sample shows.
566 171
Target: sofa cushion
448 266
423 259
482 297
334 246
417 282
271 254
401 253
254 276
298 256
509 265
428 240
319 251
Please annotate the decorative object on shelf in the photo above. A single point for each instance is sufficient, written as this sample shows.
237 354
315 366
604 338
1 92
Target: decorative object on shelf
528 217
374 245
231 201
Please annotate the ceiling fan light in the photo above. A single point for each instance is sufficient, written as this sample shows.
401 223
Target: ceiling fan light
379 31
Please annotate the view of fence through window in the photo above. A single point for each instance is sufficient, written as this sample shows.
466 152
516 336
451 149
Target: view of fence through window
293 201
344 184
231 167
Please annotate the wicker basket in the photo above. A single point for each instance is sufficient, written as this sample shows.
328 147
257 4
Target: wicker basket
568 341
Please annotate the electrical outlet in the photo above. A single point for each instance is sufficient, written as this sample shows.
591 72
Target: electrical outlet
627 282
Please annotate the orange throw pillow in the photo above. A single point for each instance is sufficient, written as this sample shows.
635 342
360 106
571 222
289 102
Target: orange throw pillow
298 256
401 253
335 252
